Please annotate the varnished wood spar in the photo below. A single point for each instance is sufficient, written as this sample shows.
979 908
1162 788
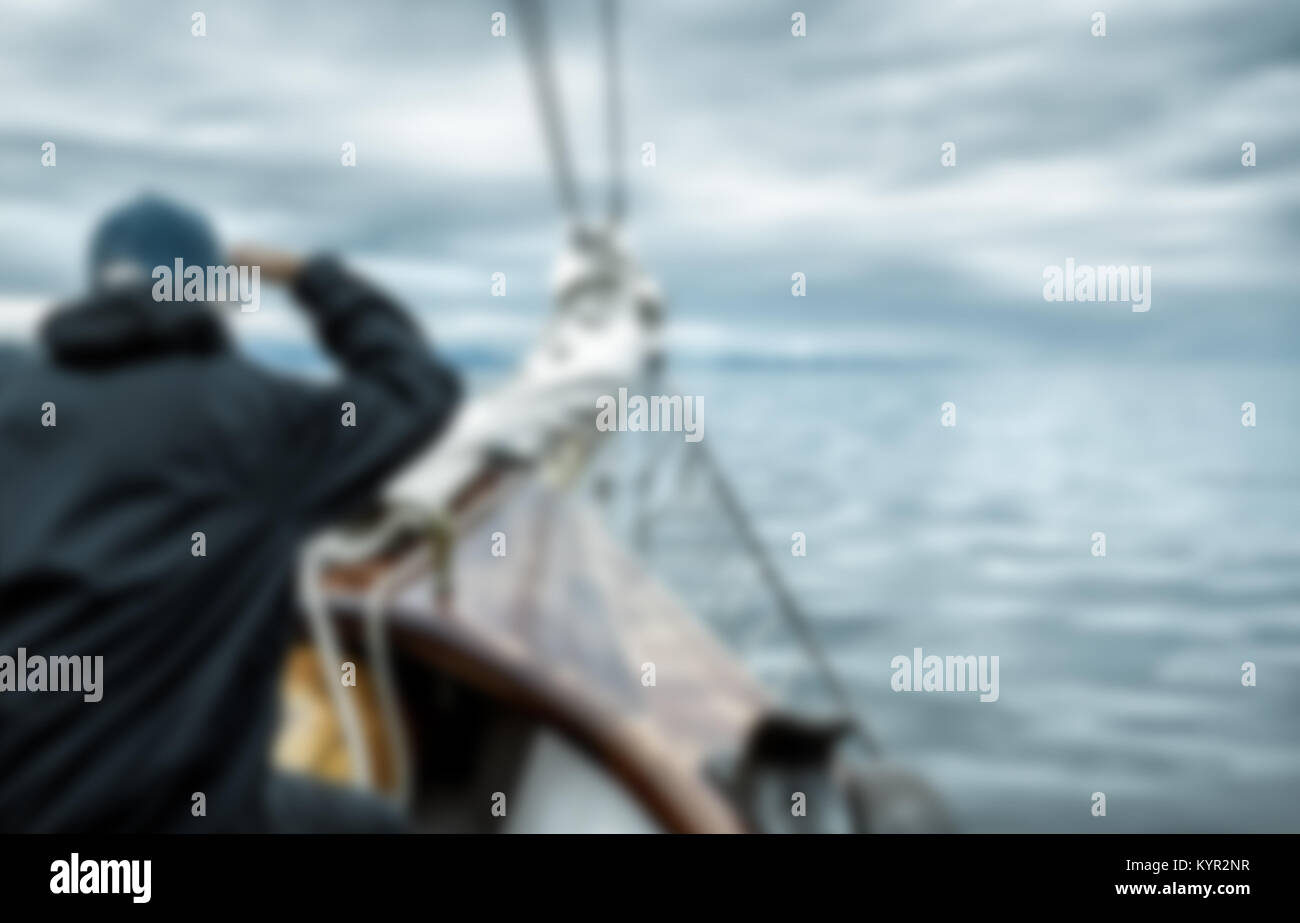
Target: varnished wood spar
560 628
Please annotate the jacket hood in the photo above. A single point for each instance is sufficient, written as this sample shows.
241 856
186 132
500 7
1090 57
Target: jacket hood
122 326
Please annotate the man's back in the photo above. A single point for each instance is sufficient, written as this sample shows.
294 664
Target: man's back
154 488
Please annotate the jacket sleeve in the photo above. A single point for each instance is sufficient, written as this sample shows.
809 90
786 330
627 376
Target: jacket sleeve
343 439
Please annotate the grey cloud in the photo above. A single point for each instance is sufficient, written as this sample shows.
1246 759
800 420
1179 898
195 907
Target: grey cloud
775 154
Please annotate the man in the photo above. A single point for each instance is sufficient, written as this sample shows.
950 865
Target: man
154 490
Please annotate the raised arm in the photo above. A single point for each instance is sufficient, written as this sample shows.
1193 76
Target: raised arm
340 440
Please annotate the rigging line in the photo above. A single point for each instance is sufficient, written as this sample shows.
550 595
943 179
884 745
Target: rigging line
785 601
614 113
537 51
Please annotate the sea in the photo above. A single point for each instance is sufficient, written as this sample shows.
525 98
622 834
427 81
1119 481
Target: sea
1120 674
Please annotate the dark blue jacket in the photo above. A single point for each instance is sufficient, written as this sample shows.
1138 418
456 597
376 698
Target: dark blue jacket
162 430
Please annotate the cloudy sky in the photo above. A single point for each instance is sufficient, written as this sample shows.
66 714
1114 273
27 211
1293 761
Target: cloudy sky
775 154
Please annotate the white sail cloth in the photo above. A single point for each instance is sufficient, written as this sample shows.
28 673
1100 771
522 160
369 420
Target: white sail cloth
604 335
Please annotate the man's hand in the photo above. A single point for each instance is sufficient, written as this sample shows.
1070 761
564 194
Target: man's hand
274 265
